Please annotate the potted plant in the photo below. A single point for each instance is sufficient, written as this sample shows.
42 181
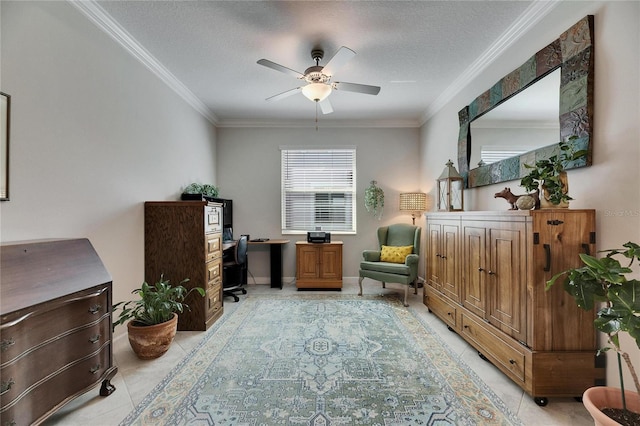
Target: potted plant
152 320
550 176
374 200
605 280
198 191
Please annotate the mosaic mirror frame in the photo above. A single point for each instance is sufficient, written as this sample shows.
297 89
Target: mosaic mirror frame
573 53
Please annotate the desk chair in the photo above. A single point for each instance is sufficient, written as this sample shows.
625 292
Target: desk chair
233 267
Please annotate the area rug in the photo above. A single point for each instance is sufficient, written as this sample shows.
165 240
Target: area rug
321 360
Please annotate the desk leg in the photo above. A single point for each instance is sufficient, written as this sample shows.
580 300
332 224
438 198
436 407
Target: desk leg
276 265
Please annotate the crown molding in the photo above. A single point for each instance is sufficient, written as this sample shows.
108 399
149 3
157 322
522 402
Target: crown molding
321 123
105 22
530 17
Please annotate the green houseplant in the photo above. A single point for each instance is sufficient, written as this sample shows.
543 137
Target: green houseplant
152 319
549 175
206 190
605 281
374 200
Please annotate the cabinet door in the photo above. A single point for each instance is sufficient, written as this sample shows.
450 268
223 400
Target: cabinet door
474 269
433 255
308 262
331 262
506 282
448 261
559 237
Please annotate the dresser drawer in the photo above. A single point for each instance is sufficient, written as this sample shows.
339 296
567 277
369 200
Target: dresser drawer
214 270
214 298
212 219
23 330
213 246
443 309
501 351
32 405
47 359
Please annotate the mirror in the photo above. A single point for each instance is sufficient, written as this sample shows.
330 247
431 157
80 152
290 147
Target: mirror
572 56
523 123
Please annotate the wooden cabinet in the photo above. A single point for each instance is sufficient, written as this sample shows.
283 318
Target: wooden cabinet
55 327
319 265
442 252
539 338
183 239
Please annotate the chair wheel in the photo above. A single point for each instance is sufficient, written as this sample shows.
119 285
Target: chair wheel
244 291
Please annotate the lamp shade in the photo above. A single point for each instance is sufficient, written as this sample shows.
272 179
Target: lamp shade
413 201
317 92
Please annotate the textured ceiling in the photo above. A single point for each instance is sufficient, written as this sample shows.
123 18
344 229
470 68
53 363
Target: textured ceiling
413 50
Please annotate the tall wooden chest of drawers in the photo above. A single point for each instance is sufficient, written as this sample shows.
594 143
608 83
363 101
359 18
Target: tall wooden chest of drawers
55 327
183 239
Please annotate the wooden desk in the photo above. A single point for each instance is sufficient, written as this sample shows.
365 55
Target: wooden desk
275 256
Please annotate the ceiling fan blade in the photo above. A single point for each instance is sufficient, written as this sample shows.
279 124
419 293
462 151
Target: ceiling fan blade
354 87
342 56
326 107
284 94
267 63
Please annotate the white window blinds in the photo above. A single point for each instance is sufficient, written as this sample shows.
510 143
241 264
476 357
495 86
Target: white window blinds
318 190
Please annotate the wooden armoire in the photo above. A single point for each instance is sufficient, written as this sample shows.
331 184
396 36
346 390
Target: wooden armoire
486 278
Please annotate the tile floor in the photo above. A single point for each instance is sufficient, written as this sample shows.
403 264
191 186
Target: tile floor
136 378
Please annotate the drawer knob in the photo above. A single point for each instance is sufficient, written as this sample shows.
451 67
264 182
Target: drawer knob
6 343
94 339
480 269
512 361
6 385
491 273
94 309
449 313
94 369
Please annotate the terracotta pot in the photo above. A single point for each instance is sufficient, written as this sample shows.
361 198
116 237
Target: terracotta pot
599 397
152 341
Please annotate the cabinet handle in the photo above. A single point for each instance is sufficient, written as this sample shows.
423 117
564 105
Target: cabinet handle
438 255
6 385
480 269
443 257
6 343
585 247
547 255
94 309
94 339
491 273
512 361
449 313
94 369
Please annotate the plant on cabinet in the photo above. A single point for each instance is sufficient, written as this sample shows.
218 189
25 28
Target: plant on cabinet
605 280
152 320
549 175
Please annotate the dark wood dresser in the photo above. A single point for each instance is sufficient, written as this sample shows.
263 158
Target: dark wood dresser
183 239
55 327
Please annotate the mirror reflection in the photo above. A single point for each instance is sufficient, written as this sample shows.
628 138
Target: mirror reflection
523 123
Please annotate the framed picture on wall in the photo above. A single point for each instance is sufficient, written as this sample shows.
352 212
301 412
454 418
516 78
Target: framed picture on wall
5 110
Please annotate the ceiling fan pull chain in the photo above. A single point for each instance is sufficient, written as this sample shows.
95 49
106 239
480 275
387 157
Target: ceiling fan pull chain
316 116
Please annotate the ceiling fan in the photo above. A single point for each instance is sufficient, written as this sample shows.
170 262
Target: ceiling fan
319 78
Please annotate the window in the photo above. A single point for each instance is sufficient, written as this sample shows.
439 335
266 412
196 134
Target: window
318 190
491 154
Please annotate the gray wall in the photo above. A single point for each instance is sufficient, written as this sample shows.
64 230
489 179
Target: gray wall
93 135
249 173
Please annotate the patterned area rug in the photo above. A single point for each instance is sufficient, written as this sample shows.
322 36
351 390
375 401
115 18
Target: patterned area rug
321 360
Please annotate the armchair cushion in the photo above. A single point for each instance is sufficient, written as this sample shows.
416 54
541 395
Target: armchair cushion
395 254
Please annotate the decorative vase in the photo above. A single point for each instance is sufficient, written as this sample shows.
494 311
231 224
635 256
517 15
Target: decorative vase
599 397
152 341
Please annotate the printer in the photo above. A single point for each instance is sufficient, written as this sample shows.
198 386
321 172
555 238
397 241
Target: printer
318 237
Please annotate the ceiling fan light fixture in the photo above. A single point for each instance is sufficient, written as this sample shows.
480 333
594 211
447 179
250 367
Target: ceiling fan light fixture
316 92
